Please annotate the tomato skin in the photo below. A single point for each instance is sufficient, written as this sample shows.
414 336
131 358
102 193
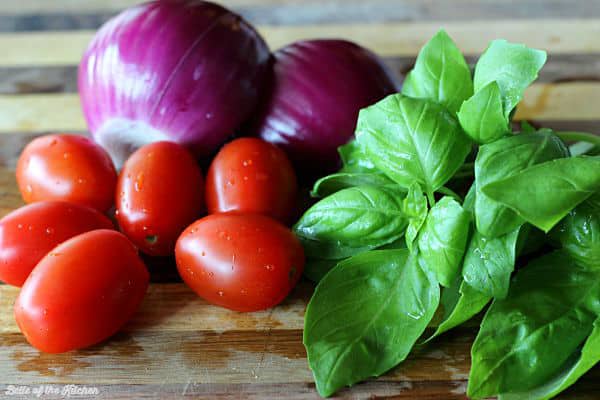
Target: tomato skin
251 175
30 232
240 261
160 192
82 292
69 168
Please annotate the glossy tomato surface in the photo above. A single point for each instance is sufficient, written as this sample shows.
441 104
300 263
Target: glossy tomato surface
69 168
251 175
244 262
30 232
159 193
82 292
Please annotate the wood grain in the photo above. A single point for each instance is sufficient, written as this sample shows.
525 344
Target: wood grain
82 15
386 39
178 345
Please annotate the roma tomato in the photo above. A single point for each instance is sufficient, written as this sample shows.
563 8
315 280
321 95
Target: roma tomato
82 292
251 175
244 262
160 191
69 168
29 233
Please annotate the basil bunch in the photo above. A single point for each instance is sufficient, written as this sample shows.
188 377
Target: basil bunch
390 243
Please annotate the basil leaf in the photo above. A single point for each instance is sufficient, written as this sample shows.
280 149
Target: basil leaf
440 74
442 240
579 232
365 316
526 127
578 364
501 159
526 339
351 221
513 66
354 158
460 303
334 183
482 116
545 193
489 262
415 208
412 140
315 268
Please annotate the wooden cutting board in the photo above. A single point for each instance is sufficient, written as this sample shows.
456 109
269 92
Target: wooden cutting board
179 345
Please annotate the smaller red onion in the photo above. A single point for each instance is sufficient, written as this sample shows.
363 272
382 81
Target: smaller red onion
315 92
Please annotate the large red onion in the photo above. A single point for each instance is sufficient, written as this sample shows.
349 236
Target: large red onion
316 90
188 71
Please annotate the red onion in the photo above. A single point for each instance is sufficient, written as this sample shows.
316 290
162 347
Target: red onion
315 93
188 71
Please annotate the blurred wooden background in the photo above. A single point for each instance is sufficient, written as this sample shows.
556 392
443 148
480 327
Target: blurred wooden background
178 345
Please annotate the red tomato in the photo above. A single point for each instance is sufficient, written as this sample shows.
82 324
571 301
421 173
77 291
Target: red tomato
251 175
160 191
67 167
82 292
244 262
29 233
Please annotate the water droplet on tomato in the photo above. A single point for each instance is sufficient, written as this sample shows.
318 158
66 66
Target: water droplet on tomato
28 189
211 274
81 180
269 267
49 230
246 163
20 226
220 293
245 178
139 182
230 182
66 155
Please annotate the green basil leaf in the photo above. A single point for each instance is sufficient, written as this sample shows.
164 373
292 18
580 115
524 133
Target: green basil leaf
440 74
469 203
574 368
334 183
482 116
365 316
354 158
513 66
545 193
315 268
412 140
526 127
489 262
415 208
460 303
442 240
351 221
579 232
525 339
501 159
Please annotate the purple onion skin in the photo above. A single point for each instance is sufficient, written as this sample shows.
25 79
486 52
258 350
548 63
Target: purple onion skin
316 90
188 71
